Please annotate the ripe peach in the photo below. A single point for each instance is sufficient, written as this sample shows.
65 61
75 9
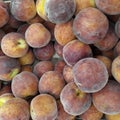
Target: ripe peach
113 117
74 51
15 109
9 67
110 7
74 101
42 66
90 75
64 33
59 11
14 45
24 84
51 82
117 28
37 35
107 100
90 25
43 107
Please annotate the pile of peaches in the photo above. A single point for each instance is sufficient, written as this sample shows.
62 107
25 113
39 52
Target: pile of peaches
60 60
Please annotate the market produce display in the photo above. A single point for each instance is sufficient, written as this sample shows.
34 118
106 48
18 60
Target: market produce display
60 60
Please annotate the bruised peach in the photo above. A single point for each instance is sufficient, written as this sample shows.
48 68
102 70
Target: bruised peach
90 75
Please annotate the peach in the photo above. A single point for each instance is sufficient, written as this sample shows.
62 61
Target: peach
116 50
9 67
75 51
107 61
117 27
115 68
108 7
63 33
24 84
59 66
41 67
113 117
107 100
80 4
90 75
26 68
43 107
51 82
14 45
59 11
90 25
74 101
37 35
23 10
91 114
15 109
45 53
109 41
62 115
28 58
68 74
40 8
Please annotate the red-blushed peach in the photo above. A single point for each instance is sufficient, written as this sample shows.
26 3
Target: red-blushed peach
14 45
43 107
9 67
36 19
27 68
68 74
74 101
62 115
91 114
110 7
116 49
107 61
22 29
81 4
4 16
90 25
58 49
109 41
107 100
28 58
74 51
15 109
45 53
59 66
51 82
63 33
113 117
117 27
42 66
115 68
59 11
24 84
90 75
5 97
37 35
40 8
23 10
